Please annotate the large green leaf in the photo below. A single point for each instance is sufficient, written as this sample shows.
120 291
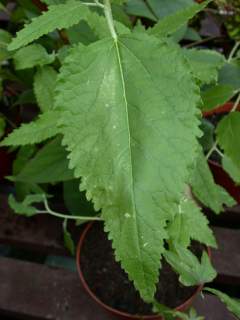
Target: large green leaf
50 164
43 128
205 189
44 85
232 304
228 133
132 147
174 21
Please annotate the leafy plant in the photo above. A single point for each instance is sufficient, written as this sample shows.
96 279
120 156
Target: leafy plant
127 109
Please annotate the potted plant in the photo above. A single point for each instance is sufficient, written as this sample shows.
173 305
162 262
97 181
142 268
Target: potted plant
126 108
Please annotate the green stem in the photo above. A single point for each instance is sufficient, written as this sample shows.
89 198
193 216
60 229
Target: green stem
109 17
64 216
234 49
235 106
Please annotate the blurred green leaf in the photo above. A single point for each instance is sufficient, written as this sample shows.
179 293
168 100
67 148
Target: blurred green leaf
44 86
31 56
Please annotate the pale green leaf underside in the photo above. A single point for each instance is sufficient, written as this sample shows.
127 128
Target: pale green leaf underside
173 22
205 189
43 128
125 134
232 304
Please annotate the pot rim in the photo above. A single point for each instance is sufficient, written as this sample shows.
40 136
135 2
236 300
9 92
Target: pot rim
115 311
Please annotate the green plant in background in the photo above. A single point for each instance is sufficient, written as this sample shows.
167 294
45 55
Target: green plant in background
121 117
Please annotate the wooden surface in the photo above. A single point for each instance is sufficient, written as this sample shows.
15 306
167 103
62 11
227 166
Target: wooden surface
35 291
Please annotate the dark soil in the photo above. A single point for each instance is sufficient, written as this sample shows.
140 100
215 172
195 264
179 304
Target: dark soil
111 285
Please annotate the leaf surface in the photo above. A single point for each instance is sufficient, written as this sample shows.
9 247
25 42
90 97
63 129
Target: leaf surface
44 85
124 142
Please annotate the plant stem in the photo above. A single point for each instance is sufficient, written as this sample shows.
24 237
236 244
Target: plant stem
234 49
109 17
95 4
235 106
214 147
64 216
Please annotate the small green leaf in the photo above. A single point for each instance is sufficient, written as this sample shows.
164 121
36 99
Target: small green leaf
231 169
43 128
44 85
190 223
165 8
57 17
232 304
207 140
140 8
191 271
216 95
230 75
173 22
25 208
205 189
50 164
204 64
68 241
228 133
31 56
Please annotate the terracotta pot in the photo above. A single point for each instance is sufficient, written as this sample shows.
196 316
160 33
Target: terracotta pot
119 314
220 176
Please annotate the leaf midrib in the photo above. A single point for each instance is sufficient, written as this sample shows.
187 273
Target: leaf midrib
130 152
